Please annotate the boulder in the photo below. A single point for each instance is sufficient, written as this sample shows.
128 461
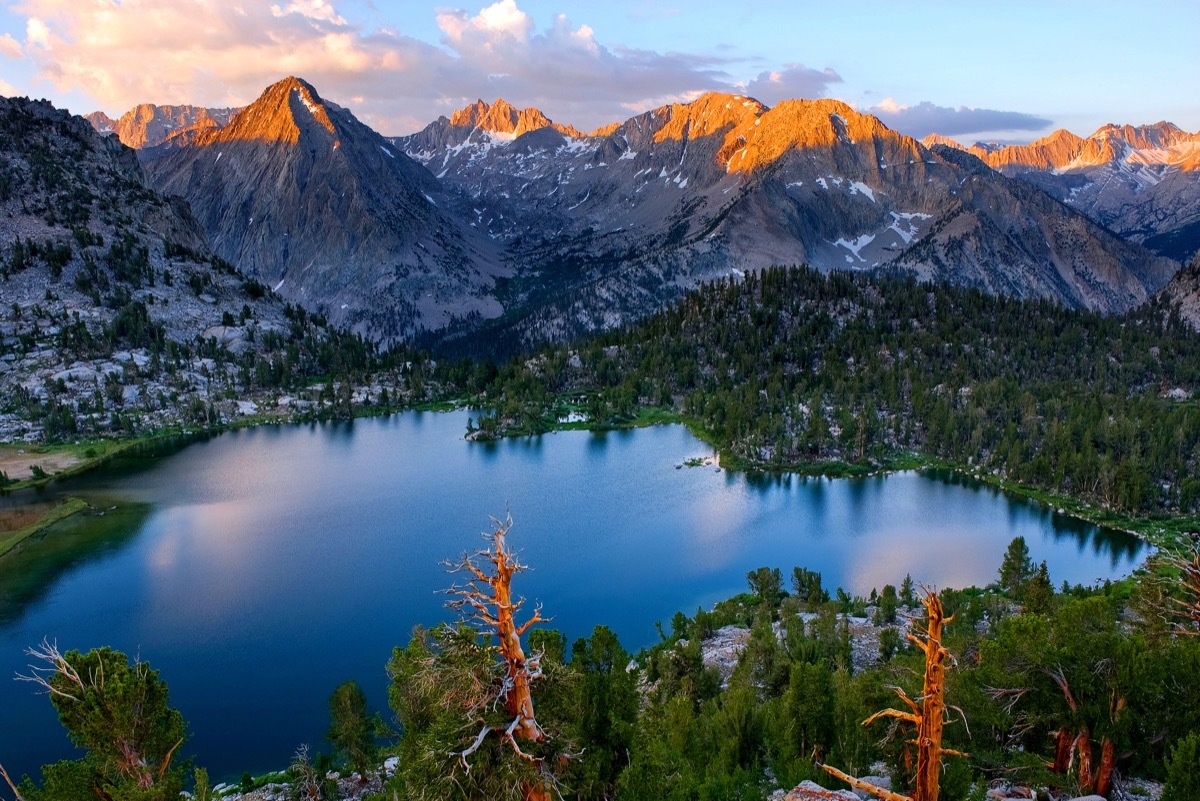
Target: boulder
810 791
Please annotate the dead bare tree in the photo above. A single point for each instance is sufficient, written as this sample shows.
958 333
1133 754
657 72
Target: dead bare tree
1181 605
7 780
486 598
929 713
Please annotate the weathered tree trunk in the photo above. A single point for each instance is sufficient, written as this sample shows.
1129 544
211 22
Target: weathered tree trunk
929 716
519 701
933 706
489 596
1063 745
1083 748
1108 759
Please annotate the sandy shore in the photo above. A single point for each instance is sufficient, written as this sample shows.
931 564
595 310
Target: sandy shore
17 463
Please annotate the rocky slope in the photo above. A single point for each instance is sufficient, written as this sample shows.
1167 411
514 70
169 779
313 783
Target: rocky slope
117 318
1141 181
301 195
610 226
149 125
1183 293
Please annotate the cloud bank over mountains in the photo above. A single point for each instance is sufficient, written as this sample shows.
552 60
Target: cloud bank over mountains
210 53
926 117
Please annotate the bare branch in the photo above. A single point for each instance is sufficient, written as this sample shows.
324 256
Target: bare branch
537 618
886 795
16 793
1009 696
473 747
162 769
57 666
892 713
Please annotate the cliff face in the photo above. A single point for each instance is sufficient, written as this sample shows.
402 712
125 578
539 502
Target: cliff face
1183 293
300 194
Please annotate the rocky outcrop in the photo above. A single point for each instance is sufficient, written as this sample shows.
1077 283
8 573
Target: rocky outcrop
1183 293
501 117
811 791
304 197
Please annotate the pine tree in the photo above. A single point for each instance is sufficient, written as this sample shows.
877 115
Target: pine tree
352 732
120 714
1016 569
1183 779
1039 592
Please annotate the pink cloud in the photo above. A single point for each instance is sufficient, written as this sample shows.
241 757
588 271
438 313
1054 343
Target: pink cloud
213 53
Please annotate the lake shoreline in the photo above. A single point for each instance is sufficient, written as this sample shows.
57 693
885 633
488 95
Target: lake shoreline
10 541
1159 531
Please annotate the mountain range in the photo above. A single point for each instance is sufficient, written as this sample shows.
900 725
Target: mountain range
1141 181
501 221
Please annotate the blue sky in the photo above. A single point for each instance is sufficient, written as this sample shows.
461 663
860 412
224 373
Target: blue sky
1008 71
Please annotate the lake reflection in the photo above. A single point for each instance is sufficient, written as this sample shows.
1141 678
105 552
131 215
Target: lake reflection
260 568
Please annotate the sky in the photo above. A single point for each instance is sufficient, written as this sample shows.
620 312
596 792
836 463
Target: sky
995 71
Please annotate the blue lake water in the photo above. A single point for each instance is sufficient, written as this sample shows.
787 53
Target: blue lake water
264 567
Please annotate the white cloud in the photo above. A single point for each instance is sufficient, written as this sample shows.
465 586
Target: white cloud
36 32
492 25
7 89
314 9
10 47
890 106
213 53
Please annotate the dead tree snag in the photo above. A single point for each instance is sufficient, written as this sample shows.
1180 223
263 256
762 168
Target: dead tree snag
486 598
1182 610
928 713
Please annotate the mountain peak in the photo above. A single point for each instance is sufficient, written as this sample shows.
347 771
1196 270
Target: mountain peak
938 139
284 111
504 118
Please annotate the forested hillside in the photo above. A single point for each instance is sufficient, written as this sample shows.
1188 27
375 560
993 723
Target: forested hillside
789 368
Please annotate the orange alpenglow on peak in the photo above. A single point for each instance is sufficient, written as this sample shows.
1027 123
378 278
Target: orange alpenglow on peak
1162 143
278 115
504 118
937 139
802 124
711 113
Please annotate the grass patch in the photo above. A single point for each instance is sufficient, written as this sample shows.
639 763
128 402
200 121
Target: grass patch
68 507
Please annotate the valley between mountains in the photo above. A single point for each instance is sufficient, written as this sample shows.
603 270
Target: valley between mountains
806 289
195 267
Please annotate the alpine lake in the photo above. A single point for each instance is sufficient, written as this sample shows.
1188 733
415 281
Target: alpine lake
260 568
